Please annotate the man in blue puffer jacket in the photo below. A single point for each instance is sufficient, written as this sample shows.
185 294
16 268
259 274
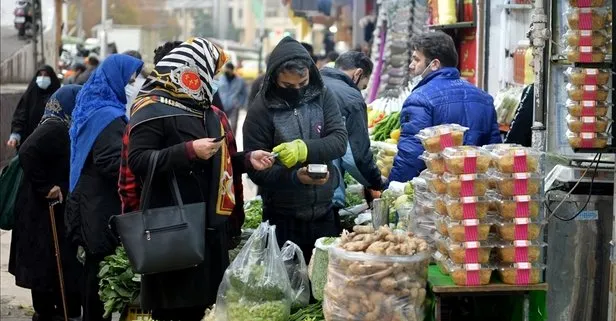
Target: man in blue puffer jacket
440 97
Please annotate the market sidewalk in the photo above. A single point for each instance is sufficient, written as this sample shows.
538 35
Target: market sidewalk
15 302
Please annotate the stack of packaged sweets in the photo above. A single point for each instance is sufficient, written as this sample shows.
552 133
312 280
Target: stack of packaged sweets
517 198
587 39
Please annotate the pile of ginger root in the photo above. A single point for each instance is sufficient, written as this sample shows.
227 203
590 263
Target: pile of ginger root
369 287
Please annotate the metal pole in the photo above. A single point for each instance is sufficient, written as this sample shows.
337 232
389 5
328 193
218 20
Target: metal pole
103 29
539 36
261 34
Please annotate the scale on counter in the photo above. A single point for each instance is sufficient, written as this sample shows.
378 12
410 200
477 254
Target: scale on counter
563 178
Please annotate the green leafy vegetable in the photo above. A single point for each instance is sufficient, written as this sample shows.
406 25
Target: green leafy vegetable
349 180
254 213
353 199
257 311
313 312
118 285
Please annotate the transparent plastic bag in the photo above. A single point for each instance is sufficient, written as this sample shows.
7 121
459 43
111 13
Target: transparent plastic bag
293 259
373 287
256 286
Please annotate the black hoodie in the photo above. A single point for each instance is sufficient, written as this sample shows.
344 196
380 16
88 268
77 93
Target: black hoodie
315 119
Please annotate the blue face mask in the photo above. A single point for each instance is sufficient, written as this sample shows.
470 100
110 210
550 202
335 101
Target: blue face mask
43 82
214 85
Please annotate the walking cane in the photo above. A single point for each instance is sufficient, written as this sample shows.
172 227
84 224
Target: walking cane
56 244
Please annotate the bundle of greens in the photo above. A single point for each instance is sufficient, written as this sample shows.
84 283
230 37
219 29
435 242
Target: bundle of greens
353 199
118 285
253 210
313 312
349 180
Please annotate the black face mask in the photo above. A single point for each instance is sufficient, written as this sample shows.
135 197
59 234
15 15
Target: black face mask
291 95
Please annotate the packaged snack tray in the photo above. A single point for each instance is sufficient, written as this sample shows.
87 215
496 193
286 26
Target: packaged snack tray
423 206
466 160
467 230
470 207
469 274
585 54
441 225
510 207
587 124
517 183
579 38
587 140
440 259
519 229
586 18
435 182
516 160
434 162
588 76
466 184
586 3
435 139
468 252
492 147
587 92
519 251
586 108
521 273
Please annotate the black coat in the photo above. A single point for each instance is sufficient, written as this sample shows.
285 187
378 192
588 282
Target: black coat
95 198
194 286
44 157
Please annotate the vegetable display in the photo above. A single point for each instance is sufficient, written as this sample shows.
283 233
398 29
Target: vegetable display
318 265
118 285
383 129
376 275
313 312
253 211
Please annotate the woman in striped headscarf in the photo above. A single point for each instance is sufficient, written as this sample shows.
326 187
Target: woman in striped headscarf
173 115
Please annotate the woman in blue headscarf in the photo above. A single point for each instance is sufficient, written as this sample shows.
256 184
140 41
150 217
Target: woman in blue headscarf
44 157
99 120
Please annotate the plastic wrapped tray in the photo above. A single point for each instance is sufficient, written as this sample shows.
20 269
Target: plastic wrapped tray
587 140
510 207
469 274
516 160
517 183
521 273
585 54
435 182
519 251
587 92
586 18
466 160
467 230
586 108
519 229
587 124
586 3
471 207
435 139
466 184
468 252
587 76
434 162
580 38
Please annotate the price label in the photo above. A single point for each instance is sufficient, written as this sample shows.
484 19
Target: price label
521 175
519 152
585 49
471 245
521 198
521 243
470 153
589 120
522 265
589 103
521 220
468 199
590 88
468 177
472 267
473 222
588 135
591 71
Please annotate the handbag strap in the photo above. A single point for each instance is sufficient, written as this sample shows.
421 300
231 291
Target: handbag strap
146 193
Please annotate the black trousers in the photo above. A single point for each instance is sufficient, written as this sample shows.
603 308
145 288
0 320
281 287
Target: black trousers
92 305
48 304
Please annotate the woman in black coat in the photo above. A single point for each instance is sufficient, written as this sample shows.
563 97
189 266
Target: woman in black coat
173 115
44 157
29 111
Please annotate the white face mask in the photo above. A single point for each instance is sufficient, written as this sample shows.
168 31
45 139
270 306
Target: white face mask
43 82
214 84
131 93
420 77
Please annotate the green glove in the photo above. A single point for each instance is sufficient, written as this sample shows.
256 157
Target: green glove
292 153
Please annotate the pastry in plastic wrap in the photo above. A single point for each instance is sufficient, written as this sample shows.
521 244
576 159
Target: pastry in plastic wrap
521 273
519 251
435 182
586 3
516 160
587 140
588 76
468 252
585 54
587 124
466 207
586 108
466 160
441 225
466 184
469 274
510 207
467 230
517 184
587 92
580 38
586 18
434 162
439 206
519 229
436 139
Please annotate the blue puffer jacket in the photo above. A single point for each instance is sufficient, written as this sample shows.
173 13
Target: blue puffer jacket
442 98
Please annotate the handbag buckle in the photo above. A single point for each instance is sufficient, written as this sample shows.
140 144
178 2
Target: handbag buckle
147 235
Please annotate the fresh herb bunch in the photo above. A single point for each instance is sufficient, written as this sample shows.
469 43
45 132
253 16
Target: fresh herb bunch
118 285
254 213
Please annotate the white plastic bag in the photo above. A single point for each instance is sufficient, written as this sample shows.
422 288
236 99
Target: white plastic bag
293 259
255 286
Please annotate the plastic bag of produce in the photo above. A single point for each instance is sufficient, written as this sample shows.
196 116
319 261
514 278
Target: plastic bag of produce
318 265
293 259
256 286
375 287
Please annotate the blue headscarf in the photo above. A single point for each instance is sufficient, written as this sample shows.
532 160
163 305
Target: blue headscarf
101 100
61 104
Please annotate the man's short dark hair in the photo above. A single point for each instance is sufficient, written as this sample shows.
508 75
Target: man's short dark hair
354 59
298 66
333 56
229 65
133 53
93 61
162 51
436 45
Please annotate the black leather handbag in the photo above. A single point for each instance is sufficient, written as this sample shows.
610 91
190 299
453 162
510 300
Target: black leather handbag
162 239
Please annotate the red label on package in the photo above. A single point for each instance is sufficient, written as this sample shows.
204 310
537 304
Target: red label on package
520 186
589 92
519 161
585 22
588 111
589 124
471 233
467 188
584 3
522 273
585 54
471 255
473 275
469 210
522 206
585 38
521 253
590 76
588 139
470 164
446 140
520 231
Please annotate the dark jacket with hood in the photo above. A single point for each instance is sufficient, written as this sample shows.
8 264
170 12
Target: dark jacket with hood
315 119
353 110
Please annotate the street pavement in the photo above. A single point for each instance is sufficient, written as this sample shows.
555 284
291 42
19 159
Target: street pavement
9 42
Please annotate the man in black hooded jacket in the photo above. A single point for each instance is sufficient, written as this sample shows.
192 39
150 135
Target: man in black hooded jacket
295 116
